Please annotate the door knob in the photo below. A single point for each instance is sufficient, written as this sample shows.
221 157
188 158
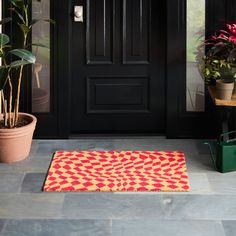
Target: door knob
78 14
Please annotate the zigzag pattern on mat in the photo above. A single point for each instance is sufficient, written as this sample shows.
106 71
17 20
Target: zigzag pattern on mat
117 171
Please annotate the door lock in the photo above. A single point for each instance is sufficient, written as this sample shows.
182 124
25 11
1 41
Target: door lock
78 14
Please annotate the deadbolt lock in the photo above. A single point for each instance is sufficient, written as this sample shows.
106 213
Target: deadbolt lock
78 14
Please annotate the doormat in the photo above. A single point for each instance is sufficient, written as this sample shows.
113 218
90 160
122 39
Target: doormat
117 171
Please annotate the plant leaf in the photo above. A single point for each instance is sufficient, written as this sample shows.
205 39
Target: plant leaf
18 63
5 20
17 3
216 49
24 55
3 77
4 39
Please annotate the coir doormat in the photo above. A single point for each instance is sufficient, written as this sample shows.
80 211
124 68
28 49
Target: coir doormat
117 171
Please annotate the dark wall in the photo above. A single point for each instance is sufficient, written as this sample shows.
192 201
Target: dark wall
220 12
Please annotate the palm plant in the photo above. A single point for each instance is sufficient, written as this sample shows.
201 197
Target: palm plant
14 61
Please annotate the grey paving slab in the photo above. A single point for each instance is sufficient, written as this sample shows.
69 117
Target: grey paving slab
2 224
199 163
30 206
223 183
154 143
57 228
143 144
229 227
153 227
161 206
10 182
31 164
112 206
105 145
34 147
48 147
38 164
199 184
201 207
33 182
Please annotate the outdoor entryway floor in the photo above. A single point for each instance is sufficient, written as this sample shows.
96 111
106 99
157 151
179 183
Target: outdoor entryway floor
209 209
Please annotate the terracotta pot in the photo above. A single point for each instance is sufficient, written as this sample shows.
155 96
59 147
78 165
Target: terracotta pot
224 89
15 143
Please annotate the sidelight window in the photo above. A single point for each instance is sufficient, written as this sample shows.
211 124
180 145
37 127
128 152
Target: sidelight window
195 89
41 69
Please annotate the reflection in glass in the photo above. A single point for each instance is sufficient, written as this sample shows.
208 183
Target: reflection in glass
195 94
41 69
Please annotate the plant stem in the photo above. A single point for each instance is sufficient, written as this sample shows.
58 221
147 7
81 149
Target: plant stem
5 113
10 103
14 114
18 95
19 87
3 107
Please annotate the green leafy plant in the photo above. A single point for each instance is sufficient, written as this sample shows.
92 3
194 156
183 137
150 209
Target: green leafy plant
14 61
220 59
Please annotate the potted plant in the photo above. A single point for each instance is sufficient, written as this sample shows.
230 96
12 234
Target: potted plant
218 64
16 129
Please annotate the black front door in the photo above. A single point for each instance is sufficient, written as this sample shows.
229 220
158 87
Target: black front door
118 67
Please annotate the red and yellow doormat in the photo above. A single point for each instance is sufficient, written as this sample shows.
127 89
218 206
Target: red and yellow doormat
117 171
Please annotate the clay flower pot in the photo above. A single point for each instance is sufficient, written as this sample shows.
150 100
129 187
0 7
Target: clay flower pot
15 143
224 89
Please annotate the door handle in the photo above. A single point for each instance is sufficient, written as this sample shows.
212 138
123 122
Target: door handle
78 14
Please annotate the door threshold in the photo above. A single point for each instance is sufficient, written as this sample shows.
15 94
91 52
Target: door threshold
121 135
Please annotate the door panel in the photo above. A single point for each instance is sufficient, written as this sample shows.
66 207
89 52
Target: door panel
136 31
118 64
99 31
117 94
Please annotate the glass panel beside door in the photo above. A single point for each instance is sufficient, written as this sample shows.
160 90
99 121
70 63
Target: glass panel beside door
195 89
41 69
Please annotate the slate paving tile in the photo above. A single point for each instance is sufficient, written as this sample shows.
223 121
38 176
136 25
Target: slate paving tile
153 227
57 228
229 227
112 206
201 207
222 183
2 224
33 183
10 182
161 206
31 206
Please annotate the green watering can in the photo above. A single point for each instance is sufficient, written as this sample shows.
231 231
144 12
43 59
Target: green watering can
223 153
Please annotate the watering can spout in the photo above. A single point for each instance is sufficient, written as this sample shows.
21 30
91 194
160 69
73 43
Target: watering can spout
213 154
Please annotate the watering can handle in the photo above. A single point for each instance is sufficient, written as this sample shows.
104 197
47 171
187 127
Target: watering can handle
227 133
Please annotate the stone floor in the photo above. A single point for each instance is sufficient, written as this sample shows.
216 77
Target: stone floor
209 209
